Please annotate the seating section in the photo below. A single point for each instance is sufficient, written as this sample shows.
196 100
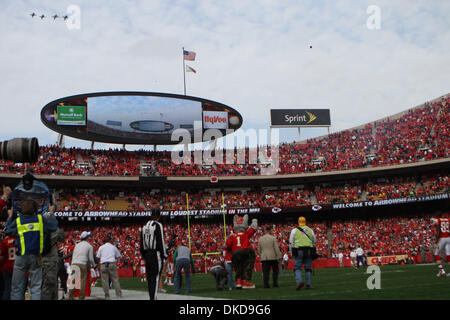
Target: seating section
418 134
378 189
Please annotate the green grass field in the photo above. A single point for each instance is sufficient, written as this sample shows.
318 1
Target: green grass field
398 282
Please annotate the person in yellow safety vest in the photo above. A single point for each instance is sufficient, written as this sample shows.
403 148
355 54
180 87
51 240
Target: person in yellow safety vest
302 239
30 230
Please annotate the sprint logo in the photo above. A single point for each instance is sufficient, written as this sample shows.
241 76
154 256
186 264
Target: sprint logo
301 118
311 117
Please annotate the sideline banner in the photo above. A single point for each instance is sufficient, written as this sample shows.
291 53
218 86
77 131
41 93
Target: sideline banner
250 210
148 213
387 202
394 259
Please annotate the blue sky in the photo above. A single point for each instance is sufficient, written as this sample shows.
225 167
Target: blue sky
251 55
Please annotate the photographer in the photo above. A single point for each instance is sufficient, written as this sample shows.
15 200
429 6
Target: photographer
29 229
50 261
182 260
302 243
220 274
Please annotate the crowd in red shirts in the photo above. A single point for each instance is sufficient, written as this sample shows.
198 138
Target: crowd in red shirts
392 236
378 189
206 200
80 201
419 134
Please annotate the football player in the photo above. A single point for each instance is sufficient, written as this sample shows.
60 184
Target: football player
8 253
443 245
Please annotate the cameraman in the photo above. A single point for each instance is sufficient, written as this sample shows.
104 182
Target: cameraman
50 261
29 229
302 242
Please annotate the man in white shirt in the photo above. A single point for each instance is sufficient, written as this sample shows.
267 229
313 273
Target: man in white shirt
353 258
341 259
359 256
82 254
108 255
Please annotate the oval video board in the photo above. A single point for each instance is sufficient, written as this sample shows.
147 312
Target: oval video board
137 117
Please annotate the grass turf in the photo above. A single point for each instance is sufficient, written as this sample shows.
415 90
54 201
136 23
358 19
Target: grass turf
398 282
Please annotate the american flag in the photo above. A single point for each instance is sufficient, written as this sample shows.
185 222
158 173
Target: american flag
189 55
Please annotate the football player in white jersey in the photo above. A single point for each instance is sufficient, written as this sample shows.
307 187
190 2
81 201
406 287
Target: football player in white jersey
143 273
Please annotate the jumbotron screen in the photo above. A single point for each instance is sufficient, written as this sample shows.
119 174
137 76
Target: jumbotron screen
137 117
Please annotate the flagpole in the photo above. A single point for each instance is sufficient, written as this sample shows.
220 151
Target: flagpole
224 224
184 74
189 228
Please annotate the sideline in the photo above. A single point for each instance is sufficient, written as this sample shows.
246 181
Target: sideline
98 294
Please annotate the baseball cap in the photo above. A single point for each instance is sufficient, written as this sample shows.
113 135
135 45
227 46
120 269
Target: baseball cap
84 235
301 221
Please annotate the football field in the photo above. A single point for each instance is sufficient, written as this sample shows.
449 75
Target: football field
397 282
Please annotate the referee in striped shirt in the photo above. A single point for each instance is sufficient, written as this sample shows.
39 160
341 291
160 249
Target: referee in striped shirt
154 251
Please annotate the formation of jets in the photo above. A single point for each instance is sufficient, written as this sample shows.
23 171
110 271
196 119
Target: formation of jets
54 16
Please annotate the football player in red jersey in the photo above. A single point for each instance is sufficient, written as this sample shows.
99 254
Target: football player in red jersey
242 253
67 249
443 245
8 252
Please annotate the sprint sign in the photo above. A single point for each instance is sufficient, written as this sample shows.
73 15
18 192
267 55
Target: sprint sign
215 120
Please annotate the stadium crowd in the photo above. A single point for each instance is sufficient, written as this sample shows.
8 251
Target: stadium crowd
418 134
386 188
377 237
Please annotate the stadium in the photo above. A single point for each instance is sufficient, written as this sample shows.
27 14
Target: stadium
367 170
375 186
